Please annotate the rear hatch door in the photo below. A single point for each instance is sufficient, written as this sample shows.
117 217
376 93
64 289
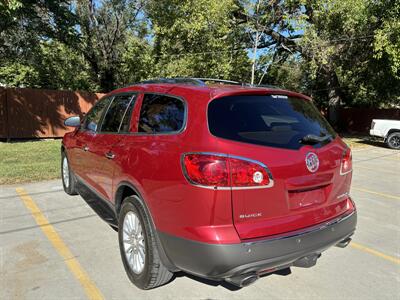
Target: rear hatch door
302 153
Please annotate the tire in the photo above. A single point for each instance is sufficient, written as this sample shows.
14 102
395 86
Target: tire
147 271
393 140
68 178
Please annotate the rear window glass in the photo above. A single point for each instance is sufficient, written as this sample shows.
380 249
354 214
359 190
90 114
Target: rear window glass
161 114
276 121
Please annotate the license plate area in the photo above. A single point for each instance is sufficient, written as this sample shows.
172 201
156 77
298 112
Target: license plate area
306 198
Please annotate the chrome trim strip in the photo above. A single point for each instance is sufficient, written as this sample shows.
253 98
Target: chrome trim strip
271 179
347 194
341 173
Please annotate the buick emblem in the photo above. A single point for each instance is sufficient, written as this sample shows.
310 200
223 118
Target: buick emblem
312 162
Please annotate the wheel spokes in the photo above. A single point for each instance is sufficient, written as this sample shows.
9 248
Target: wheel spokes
133 241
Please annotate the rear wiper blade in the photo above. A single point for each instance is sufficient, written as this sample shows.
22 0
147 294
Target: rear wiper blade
312 139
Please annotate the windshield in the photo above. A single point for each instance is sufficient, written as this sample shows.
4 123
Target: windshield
276 121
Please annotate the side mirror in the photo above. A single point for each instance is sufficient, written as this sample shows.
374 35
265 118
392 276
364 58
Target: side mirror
73 121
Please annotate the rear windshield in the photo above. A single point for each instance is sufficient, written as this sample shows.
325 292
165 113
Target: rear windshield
276 121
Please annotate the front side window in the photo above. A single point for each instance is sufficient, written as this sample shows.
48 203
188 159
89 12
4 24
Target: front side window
275 121
161 114
93 117
117 114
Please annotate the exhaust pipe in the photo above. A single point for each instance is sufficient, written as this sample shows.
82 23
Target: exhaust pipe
344 243
243 280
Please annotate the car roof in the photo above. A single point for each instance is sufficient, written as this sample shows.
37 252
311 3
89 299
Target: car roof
211 91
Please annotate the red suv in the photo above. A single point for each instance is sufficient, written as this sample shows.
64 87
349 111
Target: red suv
223 181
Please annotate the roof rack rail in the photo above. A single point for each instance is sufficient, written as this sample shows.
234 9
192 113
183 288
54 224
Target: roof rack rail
219 80
189 80
200 81
175 80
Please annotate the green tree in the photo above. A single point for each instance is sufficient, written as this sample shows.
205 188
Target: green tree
25 23
339 48
347 51
107 31
197 38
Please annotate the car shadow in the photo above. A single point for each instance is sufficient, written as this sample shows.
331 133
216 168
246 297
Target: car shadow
224 284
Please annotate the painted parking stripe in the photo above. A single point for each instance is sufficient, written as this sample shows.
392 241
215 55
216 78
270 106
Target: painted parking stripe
376 193
76 269
375 252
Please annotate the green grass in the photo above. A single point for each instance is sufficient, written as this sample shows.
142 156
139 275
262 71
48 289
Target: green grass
29 161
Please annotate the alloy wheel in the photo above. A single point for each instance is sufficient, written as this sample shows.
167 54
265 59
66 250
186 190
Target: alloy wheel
395 142
134 244
65 172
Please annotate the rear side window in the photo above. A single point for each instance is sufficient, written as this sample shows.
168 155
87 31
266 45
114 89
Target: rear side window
161 114
276 121
93 117
118 109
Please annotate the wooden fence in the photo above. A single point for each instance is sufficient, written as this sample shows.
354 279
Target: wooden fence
37 113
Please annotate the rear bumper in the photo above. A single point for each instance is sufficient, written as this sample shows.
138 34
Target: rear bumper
222 261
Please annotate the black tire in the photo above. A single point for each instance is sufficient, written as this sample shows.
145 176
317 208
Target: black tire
154 273
70 187
393 140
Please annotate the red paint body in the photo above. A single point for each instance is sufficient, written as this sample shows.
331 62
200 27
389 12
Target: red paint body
152 163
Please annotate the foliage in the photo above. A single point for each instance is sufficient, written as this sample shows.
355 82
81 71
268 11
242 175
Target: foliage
341 52
106 30
196 38
137 62
342 47
25 23
53 66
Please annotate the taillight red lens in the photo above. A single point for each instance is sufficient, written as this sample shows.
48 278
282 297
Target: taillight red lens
223 171
208 170
246 173
346 164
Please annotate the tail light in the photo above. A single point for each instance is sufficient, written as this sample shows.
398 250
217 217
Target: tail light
222 171
346 164
207 170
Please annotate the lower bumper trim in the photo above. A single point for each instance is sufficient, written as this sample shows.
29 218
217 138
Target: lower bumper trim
222 261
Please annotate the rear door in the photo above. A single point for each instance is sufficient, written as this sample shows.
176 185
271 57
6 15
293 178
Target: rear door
302 153
115 125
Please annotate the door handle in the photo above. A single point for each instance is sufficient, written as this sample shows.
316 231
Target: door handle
85 148
110 155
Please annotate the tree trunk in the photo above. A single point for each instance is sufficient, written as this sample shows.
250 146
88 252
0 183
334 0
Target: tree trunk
334 99
107 80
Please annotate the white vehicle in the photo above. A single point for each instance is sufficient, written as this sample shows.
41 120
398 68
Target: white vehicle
387 129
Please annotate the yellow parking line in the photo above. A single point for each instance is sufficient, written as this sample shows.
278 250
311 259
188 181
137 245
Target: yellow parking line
76 269
374 252
376 193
